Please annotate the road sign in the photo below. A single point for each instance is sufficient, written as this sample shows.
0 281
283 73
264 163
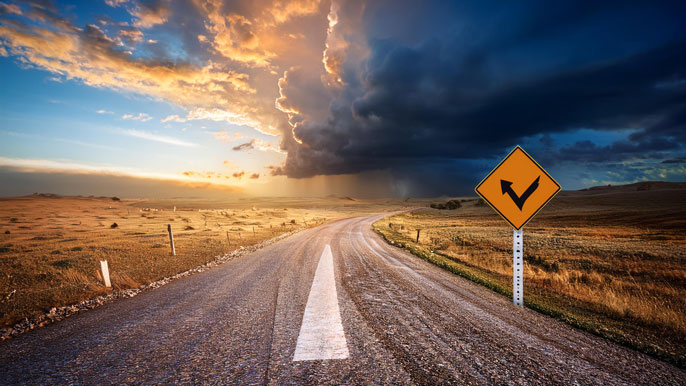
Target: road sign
518 188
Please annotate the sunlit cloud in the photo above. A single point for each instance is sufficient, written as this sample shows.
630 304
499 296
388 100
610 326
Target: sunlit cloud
212 90
173 118
216 115
283 11
217 177
115 3
223 136
10 8
233 35
158 138
143 117
145 14
150 14
205 174
130 36
103 111
228 116
335 45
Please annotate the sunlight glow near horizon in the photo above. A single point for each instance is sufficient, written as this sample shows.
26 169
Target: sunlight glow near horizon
70 126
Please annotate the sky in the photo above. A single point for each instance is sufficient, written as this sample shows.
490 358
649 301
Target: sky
356 98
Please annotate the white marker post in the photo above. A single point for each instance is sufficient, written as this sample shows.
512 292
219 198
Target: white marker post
171 240
517 267
105 273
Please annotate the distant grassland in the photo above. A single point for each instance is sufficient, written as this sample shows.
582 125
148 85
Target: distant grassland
610 261
50 247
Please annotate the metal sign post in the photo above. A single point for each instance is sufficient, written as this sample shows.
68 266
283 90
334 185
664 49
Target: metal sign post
517 267
517 189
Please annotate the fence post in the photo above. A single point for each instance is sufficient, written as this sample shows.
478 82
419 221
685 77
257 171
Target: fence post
227 238
171 240
418 235
105 273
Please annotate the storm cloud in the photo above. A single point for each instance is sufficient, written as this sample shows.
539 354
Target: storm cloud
442 99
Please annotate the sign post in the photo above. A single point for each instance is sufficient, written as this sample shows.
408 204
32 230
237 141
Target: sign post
517 172
517 267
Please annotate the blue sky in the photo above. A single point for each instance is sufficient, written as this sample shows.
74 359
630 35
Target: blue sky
371 98
65 121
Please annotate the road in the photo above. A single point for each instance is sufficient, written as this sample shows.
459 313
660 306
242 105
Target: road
329 305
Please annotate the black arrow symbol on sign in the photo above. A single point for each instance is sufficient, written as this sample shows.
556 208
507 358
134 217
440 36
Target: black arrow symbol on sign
506 186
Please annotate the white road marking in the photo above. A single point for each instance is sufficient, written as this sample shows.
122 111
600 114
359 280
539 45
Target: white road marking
321 333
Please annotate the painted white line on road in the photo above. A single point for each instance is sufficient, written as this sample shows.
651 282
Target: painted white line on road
321 333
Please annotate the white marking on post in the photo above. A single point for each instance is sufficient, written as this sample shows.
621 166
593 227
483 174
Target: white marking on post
105 273
321 333
517 267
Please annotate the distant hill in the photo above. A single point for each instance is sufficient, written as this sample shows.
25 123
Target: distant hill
638 186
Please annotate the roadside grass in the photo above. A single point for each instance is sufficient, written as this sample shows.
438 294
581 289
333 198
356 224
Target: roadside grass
50 257
620 282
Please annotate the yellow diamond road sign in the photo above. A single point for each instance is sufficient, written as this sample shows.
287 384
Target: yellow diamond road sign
518 188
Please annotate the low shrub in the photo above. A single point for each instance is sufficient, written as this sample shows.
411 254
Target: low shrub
450 205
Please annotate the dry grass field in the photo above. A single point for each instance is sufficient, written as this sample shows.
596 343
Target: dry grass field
50 247
611 260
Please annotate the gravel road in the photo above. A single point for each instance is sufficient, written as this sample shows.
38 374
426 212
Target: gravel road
404 321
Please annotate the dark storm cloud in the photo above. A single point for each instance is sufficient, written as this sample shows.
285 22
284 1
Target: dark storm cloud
418 106
587 151
418 109
42 4
680 160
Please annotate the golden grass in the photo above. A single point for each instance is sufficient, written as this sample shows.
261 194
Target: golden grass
623 277
50 255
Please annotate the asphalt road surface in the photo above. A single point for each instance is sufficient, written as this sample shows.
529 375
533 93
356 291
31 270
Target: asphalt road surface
330 305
